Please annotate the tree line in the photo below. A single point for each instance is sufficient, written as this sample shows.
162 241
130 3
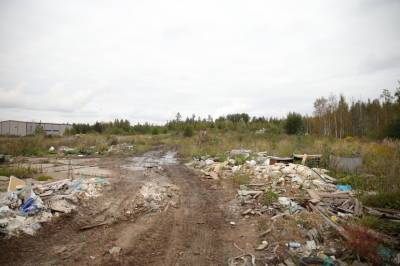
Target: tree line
333 116
338 117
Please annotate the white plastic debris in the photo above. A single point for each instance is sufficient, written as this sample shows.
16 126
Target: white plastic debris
284 201
24 209
262 246
209 162
311 245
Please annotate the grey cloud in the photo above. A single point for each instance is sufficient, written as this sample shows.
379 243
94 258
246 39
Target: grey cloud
375 64
147 60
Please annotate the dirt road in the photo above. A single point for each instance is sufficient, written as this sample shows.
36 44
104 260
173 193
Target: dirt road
191 229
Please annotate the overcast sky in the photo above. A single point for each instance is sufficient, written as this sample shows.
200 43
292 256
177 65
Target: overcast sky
82 61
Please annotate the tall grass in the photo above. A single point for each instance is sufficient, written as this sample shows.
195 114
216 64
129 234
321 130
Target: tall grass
381 160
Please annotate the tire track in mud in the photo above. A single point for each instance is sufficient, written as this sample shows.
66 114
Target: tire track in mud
189 235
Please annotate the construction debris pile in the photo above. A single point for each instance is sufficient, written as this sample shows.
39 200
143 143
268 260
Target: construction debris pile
24 206
104 148
302 207
157 196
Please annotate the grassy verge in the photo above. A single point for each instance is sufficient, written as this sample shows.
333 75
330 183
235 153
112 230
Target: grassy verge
22 172
385 226
43 178
390 200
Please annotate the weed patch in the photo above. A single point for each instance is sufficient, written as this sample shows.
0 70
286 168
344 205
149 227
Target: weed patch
43 178
241 179
389 200
385 226
240 159
22 172
269 197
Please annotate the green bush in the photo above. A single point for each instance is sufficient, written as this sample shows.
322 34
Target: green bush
155 131
389 200
382 225
294 124
240 159
39 130
188 131
222 157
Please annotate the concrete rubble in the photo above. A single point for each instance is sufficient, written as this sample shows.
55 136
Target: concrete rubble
24 208
158 196
122 147
287 193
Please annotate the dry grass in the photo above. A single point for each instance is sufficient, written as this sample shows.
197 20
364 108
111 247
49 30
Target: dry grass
364 243
381 159
18 171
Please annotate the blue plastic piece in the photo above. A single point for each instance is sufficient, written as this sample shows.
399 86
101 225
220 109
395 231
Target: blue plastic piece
344 187
29 206
328 261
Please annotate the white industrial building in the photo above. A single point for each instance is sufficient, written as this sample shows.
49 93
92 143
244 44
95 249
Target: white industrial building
20 128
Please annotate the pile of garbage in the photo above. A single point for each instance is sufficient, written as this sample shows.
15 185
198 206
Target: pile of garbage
157 196
4 158
260 167
24 206
301 206
122 147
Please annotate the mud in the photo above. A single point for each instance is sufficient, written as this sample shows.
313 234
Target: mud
156 210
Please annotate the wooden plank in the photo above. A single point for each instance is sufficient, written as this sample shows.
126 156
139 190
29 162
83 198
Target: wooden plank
315 198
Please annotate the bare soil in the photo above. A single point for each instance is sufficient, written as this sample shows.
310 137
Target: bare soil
195 230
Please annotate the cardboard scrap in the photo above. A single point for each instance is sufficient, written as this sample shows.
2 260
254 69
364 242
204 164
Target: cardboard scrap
15 184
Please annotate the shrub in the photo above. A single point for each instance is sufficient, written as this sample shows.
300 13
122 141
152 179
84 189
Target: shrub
269 197
222 157
112 140
39 130
386 226
294 124
188 131
364 243
393 130
389 200
102 147
240 159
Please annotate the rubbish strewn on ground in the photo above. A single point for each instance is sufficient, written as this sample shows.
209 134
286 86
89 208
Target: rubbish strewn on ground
24 207
15 184
122 147
303 207
158 196
5 158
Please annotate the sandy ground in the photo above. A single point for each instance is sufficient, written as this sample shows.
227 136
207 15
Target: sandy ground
191 228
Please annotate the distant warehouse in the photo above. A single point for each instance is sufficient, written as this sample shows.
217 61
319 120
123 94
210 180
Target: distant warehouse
20 128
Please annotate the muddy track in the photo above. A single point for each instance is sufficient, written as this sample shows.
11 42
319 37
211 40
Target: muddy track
190 233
